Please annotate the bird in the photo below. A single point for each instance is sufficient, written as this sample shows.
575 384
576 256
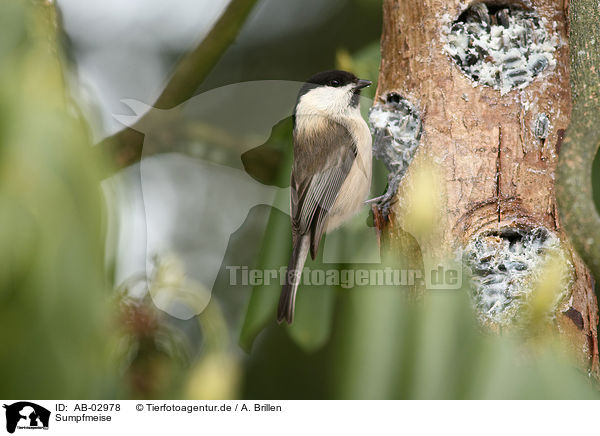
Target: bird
331 170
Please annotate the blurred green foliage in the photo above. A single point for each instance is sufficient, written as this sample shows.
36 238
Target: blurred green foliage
437 351
56 330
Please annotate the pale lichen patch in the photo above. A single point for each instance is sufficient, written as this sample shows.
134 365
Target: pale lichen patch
504 47
541 126
507 267
396 128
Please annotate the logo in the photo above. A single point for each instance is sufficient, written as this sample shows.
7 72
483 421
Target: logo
26 415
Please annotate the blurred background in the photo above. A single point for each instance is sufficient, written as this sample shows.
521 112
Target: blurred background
115 281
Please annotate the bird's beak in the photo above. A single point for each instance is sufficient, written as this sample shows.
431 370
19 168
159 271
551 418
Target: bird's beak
362 84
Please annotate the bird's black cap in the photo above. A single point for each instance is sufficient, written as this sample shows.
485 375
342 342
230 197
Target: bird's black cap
336 79
333 78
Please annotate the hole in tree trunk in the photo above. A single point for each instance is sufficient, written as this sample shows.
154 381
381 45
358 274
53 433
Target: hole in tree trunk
396 128
504 46
505 266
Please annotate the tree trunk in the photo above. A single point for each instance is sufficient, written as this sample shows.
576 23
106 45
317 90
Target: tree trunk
490 154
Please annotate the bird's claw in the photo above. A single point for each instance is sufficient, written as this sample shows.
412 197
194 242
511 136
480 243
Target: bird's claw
375 200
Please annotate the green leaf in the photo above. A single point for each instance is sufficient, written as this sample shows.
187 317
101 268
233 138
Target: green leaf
275 253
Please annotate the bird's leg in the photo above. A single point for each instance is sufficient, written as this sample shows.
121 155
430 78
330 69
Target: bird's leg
384 202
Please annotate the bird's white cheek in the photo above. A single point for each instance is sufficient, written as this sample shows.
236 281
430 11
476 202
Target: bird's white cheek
326 99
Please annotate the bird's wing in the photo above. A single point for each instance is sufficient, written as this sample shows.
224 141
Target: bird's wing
321 164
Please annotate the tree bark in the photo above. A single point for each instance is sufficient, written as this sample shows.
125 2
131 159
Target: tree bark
491 169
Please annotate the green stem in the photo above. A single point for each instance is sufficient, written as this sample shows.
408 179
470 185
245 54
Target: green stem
125 147
574 192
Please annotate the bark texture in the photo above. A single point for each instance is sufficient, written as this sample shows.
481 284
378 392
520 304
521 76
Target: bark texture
491 170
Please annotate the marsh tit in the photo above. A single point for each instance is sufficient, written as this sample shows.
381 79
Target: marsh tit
331 173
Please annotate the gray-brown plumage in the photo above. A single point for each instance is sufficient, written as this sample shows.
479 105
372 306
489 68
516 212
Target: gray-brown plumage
331 173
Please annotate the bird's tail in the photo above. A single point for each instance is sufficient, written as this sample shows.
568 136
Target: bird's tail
287 300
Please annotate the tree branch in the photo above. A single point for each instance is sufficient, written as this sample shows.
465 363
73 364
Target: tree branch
125 147
574 175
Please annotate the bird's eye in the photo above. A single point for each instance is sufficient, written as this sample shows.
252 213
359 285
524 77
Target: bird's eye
335 83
